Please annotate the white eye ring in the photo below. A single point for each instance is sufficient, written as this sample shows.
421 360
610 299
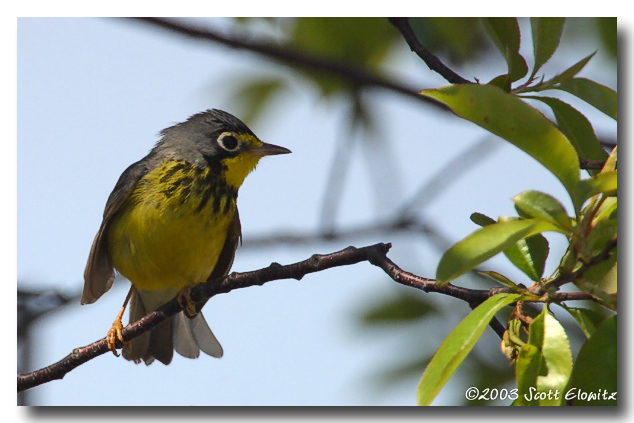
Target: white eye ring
228 141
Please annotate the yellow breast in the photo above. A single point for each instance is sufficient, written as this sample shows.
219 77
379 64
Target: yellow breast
172 228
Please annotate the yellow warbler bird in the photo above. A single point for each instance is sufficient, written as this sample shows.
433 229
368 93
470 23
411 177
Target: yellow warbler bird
172 222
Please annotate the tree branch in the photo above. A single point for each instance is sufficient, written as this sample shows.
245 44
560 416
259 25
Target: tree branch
289 55
581 270
591 164
473 297
357 76
434 63
375 254
201 293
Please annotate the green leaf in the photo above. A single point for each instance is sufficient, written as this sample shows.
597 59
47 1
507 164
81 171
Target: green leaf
501 81
601 183
543 206
457 346
484 243
595 371
593 93
505 33
253 96
529 255
401 308
610 163
556 352
460 37
546 35
364 41
501 279
481 219
509 117
607 210
607 31
549 375
587 319
567 74
600 280
527 367
577 129
602 232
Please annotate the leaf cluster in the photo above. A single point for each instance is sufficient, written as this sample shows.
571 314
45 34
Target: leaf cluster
538 345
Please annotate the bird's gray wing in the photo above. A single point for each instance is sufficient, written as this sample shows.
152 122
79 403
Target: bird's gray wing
228 253
225 259
99 273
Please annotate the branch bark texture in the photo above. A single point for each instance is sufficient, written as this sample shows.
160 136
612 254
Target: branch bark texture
201 293
375 254
433 62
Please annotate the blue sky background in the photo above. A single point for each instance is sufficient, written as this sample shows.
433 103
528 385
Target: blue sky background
93 93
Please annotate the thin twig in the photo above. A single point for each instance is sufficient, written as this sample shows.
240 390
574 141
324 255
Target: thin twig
495 324
390 227
201 293
471 296
338 169
434 63
357 76
591 164
581 270
455 168
375 254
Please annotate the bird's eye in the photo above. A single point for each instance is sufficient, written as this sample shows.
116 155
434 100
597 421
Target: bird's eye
228 142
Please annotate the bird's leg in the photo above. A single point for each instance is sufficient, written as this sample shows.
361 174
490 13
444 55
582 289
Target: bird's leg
185 300
115 331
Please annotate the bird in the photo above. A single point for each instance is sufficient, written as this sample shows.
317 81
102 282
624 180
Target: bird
170 223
